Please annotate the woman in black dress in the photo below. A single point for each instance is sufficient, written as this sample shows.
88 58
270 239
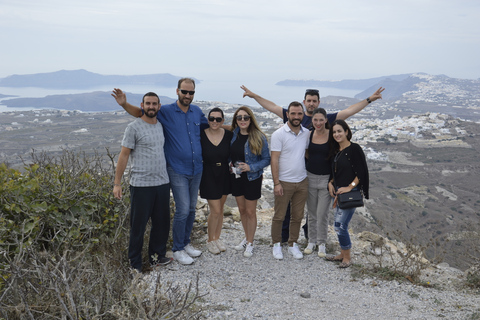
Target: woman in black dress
215 183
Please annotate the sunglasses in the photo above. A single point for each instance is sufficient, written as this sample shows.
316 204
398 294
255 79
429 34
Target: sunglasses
244 118
212 119
314 91
186 91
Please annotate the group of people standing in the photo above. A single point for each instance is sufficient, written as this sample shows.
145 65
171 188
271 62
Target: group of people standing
203 154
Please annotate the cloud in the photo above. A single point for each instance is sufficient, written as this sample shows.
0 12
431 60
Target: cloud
265 39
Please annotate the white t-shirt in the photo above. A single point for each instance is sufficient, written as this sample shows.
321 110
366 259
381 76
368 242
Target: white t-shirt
291 164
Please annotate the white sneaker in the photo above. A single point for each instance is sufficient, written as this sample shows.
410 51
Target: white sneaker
295 252
321 251
192 252
182 257
248 250
277 251
241 246
310 248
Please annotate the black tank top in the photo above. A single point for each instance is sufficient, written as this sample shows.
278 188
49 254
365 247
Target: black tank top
317 158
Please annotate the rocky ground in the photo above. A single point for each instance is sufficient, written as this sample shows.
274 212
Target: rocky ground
312 288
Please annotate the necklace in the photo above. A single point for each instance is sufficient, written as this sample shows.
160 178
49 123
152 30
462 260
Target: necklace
335 160
215 137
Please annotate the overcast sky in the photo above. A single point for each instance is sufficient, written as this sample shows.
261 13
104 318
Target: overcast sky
265 40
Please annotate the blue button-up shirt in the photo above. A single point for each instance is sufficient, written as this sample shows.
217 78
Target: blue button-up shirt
183 150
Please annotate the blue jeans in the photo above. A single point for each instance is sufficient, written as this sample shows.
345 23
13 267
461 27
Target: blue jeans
185 193
342 219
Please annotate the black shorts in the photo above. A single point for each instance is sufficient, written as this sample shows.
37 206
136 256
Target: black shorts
251 190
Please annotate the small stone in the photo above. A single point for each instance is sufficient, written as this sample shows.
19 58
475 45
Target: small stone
305 295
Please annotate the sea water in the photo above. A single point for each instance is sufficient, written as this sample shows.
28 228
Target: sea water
228 91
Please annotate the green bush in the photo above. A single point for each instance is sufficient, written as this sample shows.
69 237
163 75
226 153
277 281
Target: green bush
60 202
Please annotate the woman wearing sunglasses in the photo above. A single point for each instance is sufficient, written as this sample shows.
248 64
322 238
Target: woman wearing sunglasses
249 153
215 183
349 171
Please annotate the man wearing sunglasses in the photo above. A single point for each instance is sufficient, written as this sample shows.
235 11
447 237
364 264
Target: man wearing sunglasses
182 122
311 102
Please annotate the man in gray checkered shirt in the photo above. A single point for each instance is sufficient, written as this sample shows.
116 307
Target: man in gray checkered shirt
149 184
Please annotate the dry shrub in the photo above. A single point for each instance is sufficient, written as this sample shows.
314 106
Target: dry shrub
63 247
404 260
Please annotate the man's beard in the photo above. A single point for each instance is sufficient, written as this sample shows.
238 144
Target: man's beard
293 124
147 113
183 103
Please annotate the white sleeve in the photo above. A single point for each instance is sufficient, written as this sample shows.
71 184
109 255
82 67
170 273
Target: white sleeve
275 142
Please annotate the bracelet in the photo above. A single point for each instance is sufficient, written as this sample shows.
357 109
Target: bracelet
368 100
117 185
276 184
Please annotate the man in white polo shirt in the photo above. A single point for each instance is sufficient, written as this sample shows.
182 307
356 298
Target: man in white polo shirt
288 145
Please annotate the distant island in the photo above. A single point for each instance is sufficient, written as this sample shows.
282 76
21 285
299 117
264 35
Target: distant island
88 102
5 96
83 79
398 85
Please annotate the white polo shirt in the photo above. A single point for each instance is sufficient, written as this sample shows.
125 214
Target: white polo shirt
291 164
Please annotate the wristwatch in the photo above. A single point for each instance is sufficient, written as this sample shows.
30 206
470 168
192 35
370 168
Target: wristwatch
368 100
353 184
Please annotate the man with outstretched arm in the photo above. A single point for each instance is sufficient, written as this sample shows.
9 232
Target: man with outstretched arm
182 122
149 184
311 102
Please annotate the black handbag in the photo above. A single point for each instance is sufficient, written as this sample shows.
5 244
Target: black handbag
352 199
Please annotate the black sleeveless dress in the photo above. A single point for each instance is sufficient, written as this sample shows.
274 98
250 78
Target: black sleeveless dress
216 174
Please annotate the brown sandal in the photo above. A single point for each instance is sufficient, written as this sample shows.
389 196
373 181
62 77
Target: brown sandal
332 258
344 265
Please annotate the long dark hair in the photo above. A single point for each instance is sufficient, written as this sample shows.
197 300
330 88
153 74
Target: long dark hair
334 146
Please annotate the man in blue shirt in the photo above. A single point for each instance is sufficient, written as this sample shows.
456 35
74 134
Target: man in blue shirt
182 123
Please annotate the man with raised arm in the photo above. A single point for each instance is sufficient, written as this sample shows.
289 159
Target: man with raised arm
182 122
311 102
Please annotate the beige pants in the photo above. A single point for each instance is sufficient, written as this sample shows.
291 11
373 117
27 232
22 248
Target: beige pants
296 194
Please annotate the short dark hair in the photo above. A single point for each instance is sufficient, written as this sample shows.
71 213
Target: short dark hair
182 80
216 109
150 94
294 104
311 92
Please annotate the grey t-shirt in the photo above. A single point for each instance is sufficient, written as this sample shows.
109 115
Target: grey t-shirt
149 167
